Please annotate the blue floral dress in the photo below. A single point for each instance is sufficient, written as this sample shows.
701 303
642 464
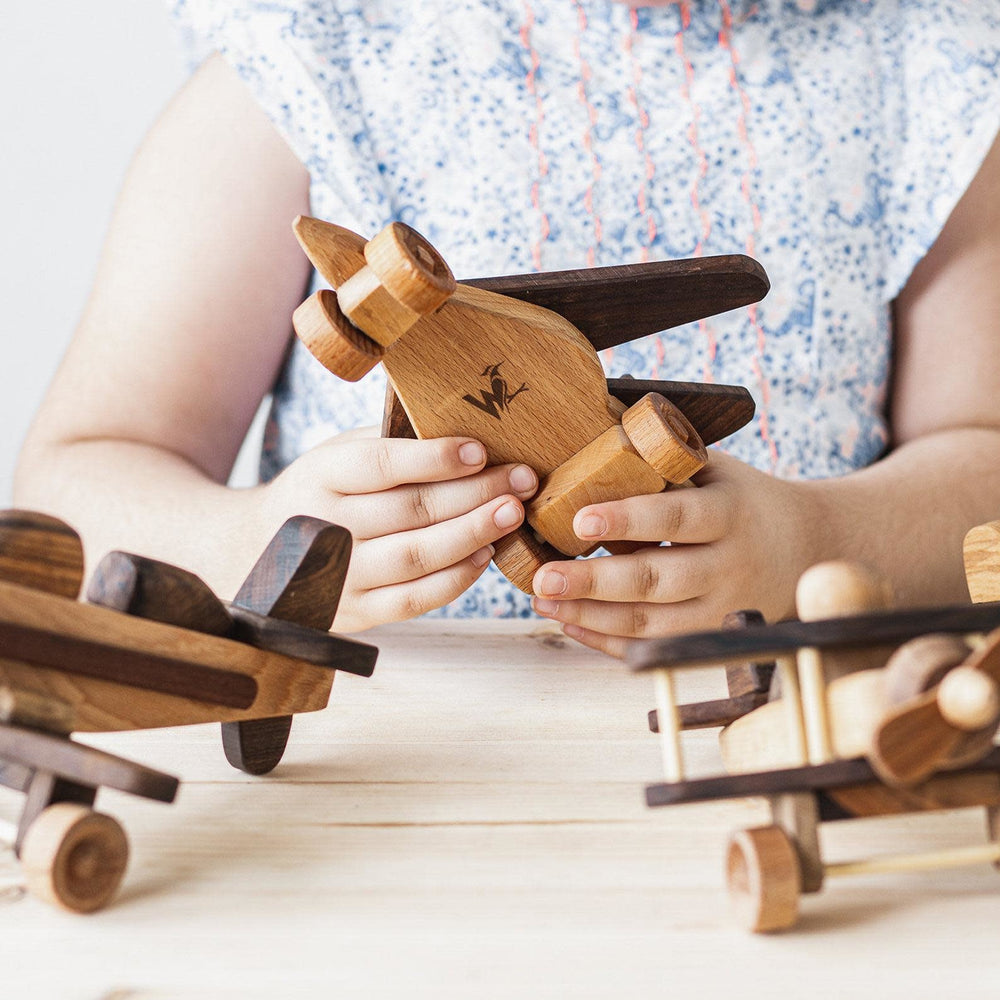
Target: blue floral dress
830 139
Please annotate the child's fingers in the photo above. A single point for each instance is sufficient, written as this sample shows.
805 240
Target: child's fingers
408 507
653 574
687 516
402 601
369 465
637 619
613 645
411 555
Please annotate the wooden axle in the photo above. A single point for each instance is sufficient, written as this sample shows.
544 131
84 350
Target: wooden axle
951 857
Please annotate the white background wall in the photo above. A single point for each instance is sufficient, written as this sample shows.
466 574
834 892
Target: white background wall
80 84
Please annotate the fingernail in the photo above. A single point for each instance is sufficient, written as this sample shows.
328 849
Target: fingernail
508 515
573 631
545 607
522 479
552 583
471 453
592 526
483 556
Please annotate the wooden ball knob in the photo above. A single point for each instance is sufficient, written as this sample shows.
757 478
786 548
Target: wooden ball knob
665 438
839 588
969 699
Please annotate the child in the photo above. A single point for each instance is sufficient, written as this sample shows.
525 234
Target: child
849 146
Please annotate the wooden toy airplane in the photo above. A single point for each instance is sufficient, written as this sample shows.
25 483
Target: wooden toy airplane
867 712
512 362
153 646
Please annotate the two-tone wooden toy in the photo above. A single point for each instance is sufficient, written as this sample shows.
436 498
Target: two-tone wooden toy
512 361
854 711
152 646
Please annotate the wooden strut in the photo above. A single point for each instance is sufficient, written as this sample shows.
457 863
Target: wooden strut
834 774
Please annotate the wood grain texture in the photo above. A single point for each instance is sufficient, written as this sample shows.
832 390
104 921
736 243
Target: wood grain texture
715 411
41 552
89 766
612 305
981 552
530 369
298 578
814 777
77 648
761 739
884 628
916 739
797 814
594 474
300 575
322 649
954 791
112 699
157 591
332 338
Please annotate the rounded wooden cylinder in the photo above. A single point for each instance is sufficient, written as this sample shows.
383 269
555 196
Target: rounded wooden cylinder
969 699
409 268
665 438
332 339
762 873
74 857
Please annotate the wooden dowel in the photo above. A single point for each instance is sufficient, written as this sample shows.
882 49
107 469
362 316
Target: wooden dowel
927 861
815 716
669 722
791 697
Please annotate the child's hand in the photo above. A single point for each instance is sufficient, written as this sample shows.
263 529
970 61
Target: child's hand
422 515
740 540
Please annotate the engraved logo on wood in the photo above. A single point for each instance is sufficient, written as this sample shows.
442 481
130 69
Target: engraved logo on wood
498 397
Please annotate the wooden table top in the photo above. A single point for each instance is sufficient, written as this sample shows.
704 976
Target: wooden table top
470 823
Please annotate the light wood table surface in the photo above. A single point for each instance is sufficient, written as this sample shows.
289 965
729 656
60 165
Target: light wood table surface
470 823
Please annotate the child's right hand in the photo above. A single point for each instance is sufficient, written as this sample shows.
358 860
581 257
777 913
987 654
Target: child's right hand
423 515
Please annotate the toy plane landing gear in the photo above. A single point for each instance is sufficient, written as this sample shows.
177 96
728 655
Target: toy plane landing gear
512 362
870 712
151 647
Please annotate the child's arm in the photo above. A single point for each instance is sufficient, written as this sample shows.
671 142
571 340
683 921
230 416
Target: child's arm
183 335
744 537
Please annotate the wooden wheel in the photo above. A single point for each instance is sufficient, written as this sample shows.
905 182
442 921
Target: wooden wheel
520 555
664 437
409 268
338 345
762 873
74 857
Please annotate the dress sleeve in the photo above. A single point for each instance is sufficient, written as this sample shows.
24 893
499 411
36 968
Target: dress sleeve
941 108
295 59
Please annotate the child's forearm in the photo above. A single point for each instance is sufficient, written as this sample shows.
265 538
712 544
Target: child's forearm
144 499
907 514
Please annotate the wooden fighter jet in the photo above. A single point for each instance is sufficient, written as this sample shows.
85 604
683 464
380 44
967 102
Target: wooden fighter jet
866 712
152 646
512 361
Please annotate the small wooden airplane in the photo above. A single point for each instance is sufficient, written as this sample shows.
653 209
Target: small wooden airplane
512 361
864 712
152 646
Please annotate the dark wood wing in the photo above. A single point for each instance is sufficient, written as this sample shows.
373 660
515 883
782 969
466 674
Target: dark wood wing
613 305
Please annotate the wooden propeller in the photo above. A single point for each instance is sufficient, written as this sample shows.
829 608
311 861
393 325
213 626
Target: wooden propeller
950 725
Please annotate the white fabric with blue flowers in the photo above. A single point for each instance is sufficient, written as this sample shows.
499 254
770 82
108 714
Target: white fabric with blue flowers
830 139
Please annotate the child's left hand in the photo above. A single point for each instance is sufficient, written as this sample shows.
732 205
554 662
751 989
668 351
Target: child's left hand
740 540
